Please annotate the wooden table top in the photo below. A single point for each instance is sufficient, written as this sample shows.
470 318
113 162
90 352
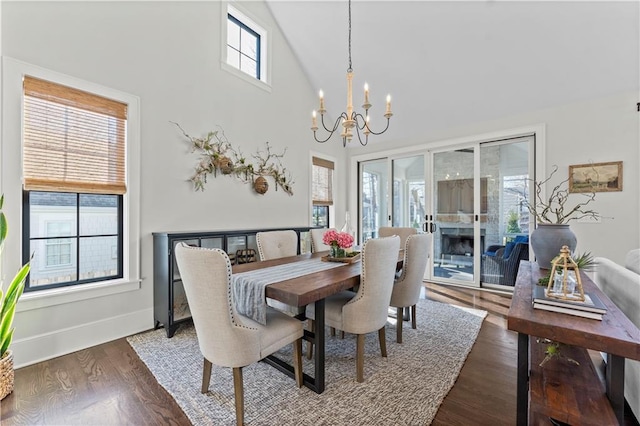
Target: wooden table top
308 288
615 334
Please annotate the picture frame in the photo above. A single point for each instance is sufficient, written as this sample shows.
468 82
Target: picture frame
596 177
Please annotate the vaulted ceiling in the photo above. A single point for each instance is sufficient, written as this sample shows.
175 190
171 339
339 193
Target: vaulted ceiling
448 64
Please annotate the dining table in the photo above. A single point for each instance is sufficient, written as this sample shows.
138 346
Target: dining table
303 290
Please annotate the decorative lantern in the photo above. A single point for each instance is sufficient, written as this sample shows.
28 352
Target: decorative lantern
564 280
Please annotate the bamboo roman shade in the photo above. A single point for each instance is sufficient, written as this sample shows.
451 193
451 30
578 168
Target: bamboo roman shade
74 141
322 190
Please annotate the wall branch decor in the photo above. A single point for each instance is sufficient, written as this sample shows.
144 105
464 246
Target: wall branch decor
217 155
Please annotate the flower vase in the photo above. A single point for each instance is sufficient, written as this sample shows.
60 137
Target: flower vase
336 252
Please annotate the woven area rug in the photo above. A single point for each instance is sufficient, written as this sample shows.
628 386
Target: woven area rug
405 389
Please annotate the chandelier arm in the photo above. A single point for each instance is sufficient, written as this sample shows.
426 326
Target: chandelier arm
335 125
322 140
356 116
380 132
330 131
366 140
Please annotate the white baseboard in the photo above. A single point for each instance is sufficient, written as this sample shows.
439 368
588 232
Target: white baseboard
42 347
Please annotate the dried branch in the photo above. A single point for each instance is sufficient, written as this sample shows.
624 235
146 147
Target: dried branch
218 155
554 209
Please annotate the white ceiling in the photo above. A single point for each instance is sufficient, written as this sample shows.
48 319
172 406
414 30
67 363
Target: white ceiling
448 64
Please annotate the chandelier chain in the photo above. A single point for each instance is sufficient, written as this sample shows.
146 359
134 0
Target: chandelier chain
349 69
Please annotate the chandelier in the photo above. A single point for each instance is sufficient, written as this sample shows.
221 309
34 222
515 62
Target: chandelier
350 119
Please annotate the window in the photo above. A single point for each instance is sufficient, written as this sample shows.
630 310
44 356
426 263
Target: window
74 181
245 47
322 190
58 250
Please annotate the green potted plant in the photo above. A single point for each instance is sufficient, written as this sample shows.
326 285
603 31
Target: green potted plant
553 215
8 300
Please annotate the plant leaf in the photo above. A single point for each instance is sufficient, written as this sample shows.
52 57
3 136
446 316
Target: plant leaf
14 291
9 308
5 342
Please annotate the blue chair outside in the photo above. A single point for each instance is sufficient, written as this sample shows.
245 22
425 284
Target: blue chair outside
502 267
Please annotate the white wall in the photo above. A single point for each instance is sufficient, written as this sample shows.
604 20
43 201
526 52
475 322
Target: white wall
167 54
598 130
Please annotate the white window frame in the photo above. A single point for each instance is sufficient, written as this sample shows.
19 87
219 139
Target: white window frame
11 183
256 25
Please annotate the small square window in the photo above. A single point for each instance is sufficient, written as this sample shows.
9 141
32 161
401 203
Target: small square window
243 47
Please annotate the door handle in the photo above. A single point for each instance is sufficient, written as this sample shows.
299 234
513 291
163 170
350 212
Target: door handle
433 228
424 227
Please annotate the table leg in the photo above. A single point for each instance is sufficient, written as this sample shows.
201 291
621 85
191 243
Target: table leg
614 381
319 346
522 390
316 383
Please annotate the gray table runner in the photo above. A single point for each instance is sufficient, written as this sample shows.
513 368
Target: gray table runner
249 287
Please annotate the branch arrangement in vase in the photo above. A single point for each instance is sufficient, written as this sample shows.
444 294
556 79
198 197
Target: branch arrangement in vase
218 155
554 209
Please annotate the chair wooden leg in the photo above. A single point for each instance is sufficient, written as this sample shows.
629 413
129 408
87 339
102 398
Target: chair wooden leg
310 344
399 322
239 393
360 358
206 375
342 334
333 331
383 342
297 361
413 317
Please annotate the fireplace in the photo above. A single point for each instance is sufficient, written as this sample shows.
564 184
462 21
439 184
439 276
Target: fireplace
459 241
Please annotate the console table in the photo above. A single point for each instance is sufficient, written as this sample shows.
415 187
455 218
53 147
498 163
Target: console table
569 393
170 306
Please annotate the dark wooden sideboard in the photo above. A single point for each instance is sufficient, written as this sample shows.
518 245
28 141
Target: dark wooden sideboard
170 307
572 394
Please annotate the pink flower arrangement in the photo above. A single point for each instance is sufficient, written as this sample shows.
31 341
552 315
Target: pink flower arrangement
335 238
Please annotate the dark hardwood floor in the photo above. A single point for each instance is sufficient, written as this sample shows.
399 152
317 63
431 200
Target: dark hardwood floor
108 384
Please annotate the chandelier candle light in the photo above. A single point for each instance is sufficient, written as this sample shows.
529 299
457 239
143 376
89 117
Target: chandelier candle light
350 119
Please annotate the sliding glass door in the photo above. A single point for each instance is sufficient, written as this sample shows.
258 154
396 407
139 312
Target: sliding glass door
453 220
480 223
470 198
506 224
374 199
408 192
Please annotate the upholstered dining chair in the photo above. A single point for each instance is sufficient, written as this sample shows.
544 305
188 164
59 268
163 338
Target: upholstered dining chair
402 232
406 289
316 239
226 338
365 311
277 244
274 245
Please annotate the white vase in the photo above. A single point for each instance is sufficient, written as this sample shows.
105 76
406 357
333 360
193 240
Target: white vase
348 229
547 240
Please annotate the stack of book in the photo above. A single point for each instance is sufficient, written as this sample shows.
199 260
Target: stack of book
591 307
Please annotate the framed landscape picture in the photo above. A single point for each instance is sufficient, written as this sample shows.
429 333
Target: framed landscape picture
596 177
